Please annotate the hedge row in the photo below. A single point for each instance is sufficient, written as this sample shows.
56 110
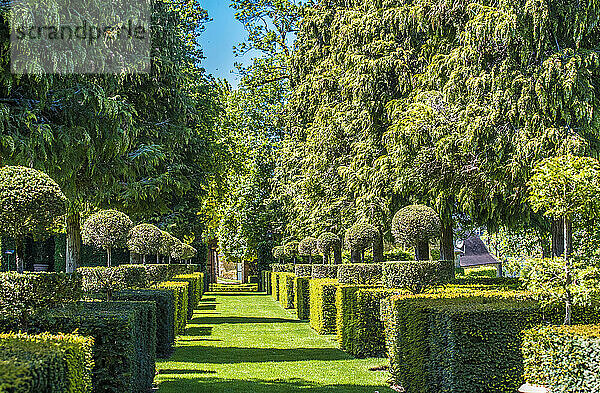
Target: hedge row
303 270
286 289
266 282
45 363
563 358
275 285
359 273
417 276
233 287
283 267
324 271
345 304
180 292
322 305
195 288
302 297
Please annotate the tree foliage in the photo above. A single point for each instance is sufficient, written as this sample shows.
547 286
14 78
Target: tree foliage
107 229
145 239
415 224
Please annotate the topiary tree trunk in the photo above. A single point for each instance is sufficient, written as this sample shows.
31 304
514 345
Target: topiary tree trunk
422 251
108 256
20 254
355 256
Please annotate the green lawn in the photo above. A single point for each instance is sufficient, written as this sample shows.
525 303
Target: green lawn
248 343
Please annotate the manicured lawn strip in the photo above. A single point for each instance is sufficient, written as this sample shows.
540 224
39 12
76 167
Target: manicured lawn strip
246 342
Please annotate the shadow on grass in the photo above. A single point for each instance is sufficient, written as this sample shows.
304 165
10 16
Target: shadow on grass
237 293
293 385
185 371
198 331
235 320
207 307
232 355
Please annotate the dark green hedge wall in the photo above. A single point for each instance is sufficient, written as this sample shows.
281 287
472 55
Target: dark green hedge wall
322 305
302 297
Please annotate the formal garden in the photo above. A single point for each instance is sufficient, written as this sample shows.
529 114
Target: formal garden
384 196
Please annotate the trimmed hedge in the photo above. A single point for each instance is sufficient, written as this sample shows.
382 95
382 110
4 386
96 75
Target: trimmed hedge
195 287
286 289
489 282
283 267
345 305
359 273
563 358
110 279
265 283
417 276
275 285
303 270
458 344
124 340
165 315
322 305
324 271
233 287
21 293
302 297
46 363
180 293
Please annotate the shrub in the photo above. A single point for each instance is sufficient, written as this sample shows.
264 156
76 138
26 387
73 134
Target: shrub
417 276
303 270
60 363
279 252
31 291
124 340
398 254
328 243
107 229
360 236
482 271
180 293
563 358
489 282
324 271
458 343
195 288
345 305
284 267
286 289
165 315
415 226
30 203
144 239
302 297
322 305
275 285
188 252
359 273
266 281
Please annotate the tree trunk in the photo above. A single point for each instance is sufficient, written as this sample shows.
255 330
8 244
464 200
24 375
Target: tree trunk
108 257
73 248
310 259
568 278
19 254
422 251
169 259
447 241
337 255
143 259
378 248
561 238
355 256
325 259
158 259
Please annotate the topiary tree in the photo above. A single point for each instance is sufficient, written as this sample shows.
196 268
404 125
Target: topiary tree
144 239
176 250
563 187
360 236
415 226
308 247
107 229
188 252
326 244
30 203
291 250
279 253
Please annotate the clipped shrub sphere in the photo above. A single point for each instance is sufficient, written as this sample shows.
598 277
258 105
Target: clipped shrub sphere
307 246
360 236
167 243
144 239
327 242
415 224
278 252
30 201
106 229
291 248
177 250
188 251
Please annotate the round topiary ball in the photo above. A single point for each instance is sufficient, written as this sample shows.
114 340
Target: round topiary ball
360 236
167 242
144 239
177 250
30 201
307 246
106 229
291 248
328 242
415 224
188 252
279 252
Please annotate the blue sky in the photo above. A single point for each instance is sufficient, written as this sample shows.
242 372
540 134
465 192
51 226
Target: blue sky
217 41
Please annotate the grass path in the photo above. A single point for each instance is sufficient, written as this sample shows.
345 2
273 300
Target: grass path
248 343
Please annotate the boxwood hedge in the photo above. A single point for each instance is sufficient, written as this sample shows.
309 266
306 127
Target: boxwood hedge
563 358
324 271
275 285
322 305
417 276
303 270
46 363
265 283
286 289
283 267
195 288
302 297
180 293
359 273
345 304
